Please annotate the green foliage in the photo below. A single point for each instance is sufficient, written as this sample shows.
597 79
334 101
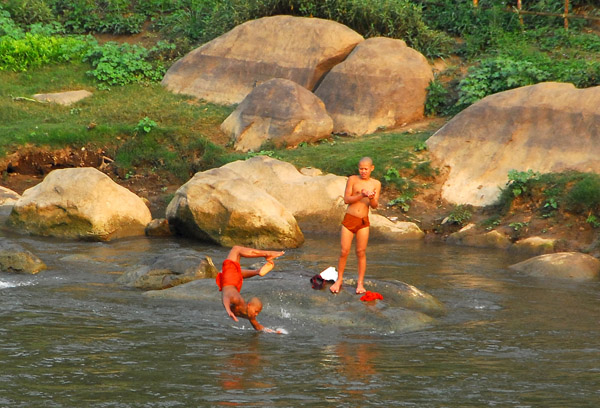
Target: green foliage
593 221
437 99
121 64
145 125
518 181
104 16
518 226
33 50
402 201
496 75
460 214
585 194
26 12
491 223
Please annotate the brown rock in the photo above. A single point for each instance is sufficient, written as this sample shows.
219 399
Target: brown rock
81 203
226 69
281 111
565 265
382 84
548 127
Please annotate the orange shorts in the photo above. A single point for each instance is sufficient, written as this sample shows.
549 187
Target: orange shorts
354 223
231 275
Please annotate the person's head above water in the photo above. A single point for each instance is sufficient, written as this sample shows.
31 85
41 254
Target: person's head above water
365 167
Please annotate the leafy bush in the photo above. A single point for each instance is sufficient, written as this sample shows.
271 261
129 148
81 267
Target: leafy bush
460 214
26 12
437 98
497 75
36 50
585 194
121 64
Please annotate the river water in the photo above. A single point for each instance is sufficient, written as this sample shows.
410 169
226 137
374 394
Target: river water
71 337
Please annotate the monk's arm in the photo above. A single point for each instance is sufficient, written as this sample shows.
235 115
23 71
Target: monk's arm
348 197
374 200
256 324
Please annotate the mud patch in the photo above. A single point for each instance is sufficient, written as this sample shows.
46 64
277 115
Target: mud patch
36 162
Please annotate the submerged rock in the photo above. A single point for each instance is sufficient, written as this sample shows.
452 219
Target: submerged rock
16 259
403 308
562 265
168 271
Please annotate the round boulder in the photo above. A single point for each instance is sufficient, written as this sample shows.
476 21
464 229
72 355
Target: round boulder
280 111
548 127
219 206
382 84
565 265
305 196
227 68
80 203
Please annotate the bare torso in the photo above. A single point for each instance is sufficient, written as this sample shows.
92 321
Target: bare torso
355 187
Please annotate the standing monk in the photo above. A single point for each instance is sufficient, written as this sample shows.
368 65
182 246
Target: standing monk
362 192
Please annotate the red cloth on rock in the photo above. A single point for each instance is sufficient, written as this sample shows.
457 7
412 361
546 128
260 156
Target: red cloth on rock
368 296
231 275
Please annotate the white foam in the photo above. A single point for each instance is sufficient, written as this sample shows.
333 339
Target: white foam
5 284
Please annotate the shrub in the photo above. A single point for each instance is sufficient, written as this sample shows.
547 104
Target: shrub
585 194
460 214
36 50
121 64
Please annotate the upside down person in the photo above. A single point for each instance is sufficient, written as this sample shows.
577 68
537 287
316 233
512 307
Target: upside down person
231 278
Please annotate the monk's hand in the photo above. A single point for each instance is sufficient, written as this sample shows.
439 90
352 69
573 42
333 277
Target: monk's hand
230 313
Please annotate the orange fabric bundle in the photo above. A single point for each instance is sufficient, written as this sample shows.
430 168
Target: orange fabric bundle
368 296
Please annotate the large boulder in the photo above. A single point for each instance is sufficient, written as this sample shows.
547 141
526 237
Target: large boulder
8 198
16 259
305 196
382 84
385 229
169 271
548 127
226 69
220 206
562 265
279 111
80 203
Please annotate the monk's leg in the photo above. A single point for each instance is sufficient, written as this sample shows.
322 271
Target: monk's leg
238 252
346 238
362 239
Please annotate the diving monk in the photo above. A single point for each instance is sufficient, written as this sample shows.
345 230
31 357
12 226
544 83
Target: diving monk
362 192
230 280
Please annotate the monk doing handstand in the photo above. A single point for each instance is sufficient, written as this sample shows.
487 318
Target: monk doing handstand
231 278
361 192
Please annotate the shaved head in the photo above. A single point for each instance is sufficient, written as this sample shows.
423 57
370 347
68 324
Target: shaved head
366 160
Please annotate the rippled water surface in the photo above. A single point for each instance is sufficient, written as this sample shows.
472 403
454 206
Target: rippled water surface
71 337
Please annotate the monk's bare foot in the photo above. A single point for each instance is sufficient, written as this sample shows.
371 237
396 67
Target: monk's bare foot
335 288
266 268
273 254
360 289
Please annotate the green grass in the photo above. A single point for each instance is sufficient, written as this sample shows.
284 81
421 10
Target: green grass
340 155
108 119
